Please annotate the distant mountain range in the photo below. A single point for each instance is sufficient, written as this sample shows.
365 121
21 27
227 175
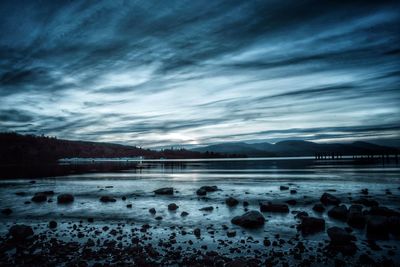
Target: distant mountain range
297 148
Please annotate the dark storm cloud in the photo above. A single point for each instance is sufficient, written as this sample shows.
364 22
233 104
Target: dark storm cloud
190 72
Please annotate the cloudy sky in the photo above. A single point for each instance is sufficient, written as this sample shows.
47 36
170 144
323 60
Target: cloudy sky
160 73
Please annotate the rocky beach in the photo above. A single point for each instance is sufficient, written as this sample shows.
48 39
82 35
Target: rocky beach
217 213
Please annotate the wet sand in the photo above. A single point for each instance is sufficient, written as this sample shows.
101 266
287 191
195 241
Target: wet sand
91 232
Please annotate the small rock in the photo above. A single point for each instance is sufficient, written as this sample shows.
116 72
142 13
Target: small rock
319 207
291 202
52 224
152 211
270 207
65 198
356 218
339 235
339 212
311 225
293 191
90 219
21 232
164 191
197 232
329 199
173 207
231 233
284 187
6 211
129 206
207 209
107 199
184 214
230 201
158 218
39 197
251 219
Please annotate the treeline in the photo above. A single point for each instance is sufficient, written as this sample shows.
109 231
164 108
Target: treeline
17 148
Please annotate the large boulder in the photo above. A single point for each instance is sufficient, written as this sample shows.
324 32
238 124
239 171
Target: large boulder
319 207
274 207
366 202
251 219
383 211
378 227
329 199
355 217
230 201
339 235
339 212
65 199
21 232
311 225
165 191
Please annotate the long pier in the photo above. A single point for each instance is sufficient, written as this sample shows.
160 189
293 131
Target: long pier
384 157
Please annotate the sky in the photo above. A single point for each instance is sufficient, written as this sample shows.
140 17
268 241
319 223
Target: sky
189 73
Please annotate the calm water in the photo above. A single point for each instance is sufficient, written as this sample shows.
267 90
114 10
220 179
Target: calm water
249 180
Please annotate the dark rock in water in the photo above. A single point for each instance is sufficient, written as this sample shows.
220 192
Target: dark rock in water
293 191
21 194
394 226
329 199
39 197
291 202
90 219
123 198
65 199
184 214
366 202
20 232
251 219
245 204
347 249
173 206
207 209
364 191
129 206
355 217
158 218
106 199
49 193
230 201
383 211
165 191
339 235
231 233
311 225
339 212
197 232
377 228
208 188
301 215
27 202
201 192
52 224
283 187
273 207
319 208
152 211
32 182
6 211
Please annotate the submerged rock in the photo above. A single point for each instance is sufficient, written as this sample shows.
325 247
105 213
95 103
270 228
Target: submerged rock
230 201
52 224
273 207
284 187
251 219
339 212
152 211
65 199
202 191
311 225
39 197
207 209
329 199
6 211
197 232
184 214
165 191
231 233
106 199
21 232
366 202
319 207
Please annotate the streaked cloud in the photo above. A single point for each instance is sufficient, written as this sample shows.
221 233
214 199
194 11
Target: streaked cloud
161 73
